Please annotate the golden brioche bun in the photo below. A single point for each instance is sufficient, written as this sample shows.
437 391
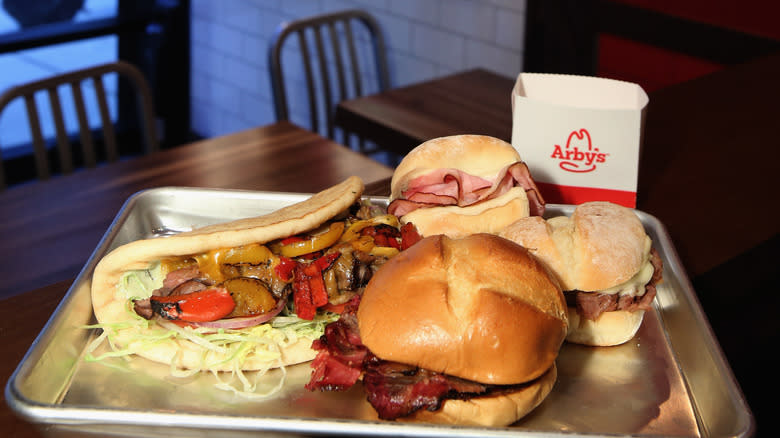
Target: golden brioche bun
480 308
477 155
495 410
600 246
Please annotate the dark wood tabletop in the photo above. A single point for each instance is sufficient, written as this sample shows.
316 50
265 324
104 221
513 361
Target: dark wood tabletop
475 101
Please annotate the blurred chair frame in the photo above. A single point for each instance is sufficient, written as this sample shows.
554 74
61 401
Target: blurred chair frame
343 64
51 85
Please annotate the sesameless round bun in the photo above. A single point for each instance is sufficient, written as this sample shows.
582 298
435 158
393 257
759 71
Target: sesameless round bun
490 216
477 155
480 308
600 246
610 328
491 411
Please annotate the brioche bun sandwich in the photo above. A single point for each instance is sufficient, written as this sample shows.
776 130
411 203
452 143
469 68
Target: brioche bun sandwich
605 263
457 331
250 294
463 184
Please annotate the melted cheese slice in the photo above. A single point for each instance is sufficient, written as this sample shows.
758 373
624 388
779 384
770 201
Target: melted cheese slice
635 286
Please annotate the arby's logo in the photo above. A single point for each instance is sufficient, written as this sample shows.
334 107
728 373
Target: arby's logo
578 155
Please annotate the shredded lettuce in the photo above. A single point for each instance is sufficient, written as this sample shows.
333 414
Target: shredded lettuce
139 284
219 349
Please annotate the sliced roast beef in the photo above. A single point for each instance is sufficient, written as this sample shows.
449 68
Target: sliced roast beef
177 277
190 286
178 282
591 305
143 308
658 267
639 302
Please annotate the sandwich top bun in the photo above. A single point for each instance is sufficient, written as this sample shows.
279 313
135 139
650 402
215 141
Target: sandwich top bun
479 155
480 308
600 246
484 157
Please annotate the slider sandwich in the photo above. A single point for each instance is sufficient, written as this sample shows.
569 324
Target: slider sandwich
458 331
605 263
463 184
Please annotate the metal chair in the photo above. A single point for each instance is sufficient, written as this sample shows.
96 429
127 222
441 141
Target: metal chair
74 79
331 42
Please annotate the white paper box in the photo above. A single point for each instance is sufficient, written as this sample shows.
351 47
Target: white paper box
580 136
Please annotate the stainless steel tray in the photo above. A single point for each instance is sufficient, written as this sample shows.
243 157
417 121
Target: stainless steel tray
670 380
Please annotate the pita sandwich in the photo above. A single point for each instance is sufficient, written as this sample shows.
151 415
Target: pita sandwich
283 340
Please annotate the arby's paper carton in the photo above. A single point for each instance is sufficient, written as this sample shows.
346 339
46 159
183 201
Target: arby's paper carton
580 136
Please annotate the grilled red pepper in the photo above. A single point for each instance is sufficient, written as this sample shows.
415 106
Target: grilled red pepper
304 307
409 235
309 292
284 269
325 261
206 305
383 235
291 239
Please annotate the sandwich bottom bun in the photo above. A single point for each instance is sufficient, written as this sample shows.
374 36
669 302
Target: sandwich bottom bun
610 328
496 410
490 216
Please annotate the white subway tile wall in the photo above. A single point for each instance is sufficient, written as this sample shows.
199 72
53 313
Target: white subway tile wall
424 38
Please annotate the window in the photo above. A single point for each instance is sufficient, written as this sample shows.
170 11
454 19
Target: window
35 63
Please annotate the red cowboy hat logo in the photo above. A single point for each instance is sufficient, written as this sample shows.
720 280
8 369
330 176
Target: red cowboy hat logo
579 155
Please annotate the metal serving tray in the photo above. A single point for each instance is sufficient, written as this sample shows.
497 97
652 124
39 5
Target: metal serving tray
670 380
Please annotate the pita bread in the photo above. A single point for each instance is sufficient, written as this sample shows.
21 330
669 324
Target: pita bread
110 306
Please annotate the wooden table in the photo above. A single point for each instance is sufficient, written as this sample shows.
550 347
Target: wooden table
49 229
475 101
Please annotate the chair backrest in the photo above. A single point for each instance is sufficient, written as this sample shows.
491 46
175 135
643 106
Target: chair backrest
74 79
331 42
